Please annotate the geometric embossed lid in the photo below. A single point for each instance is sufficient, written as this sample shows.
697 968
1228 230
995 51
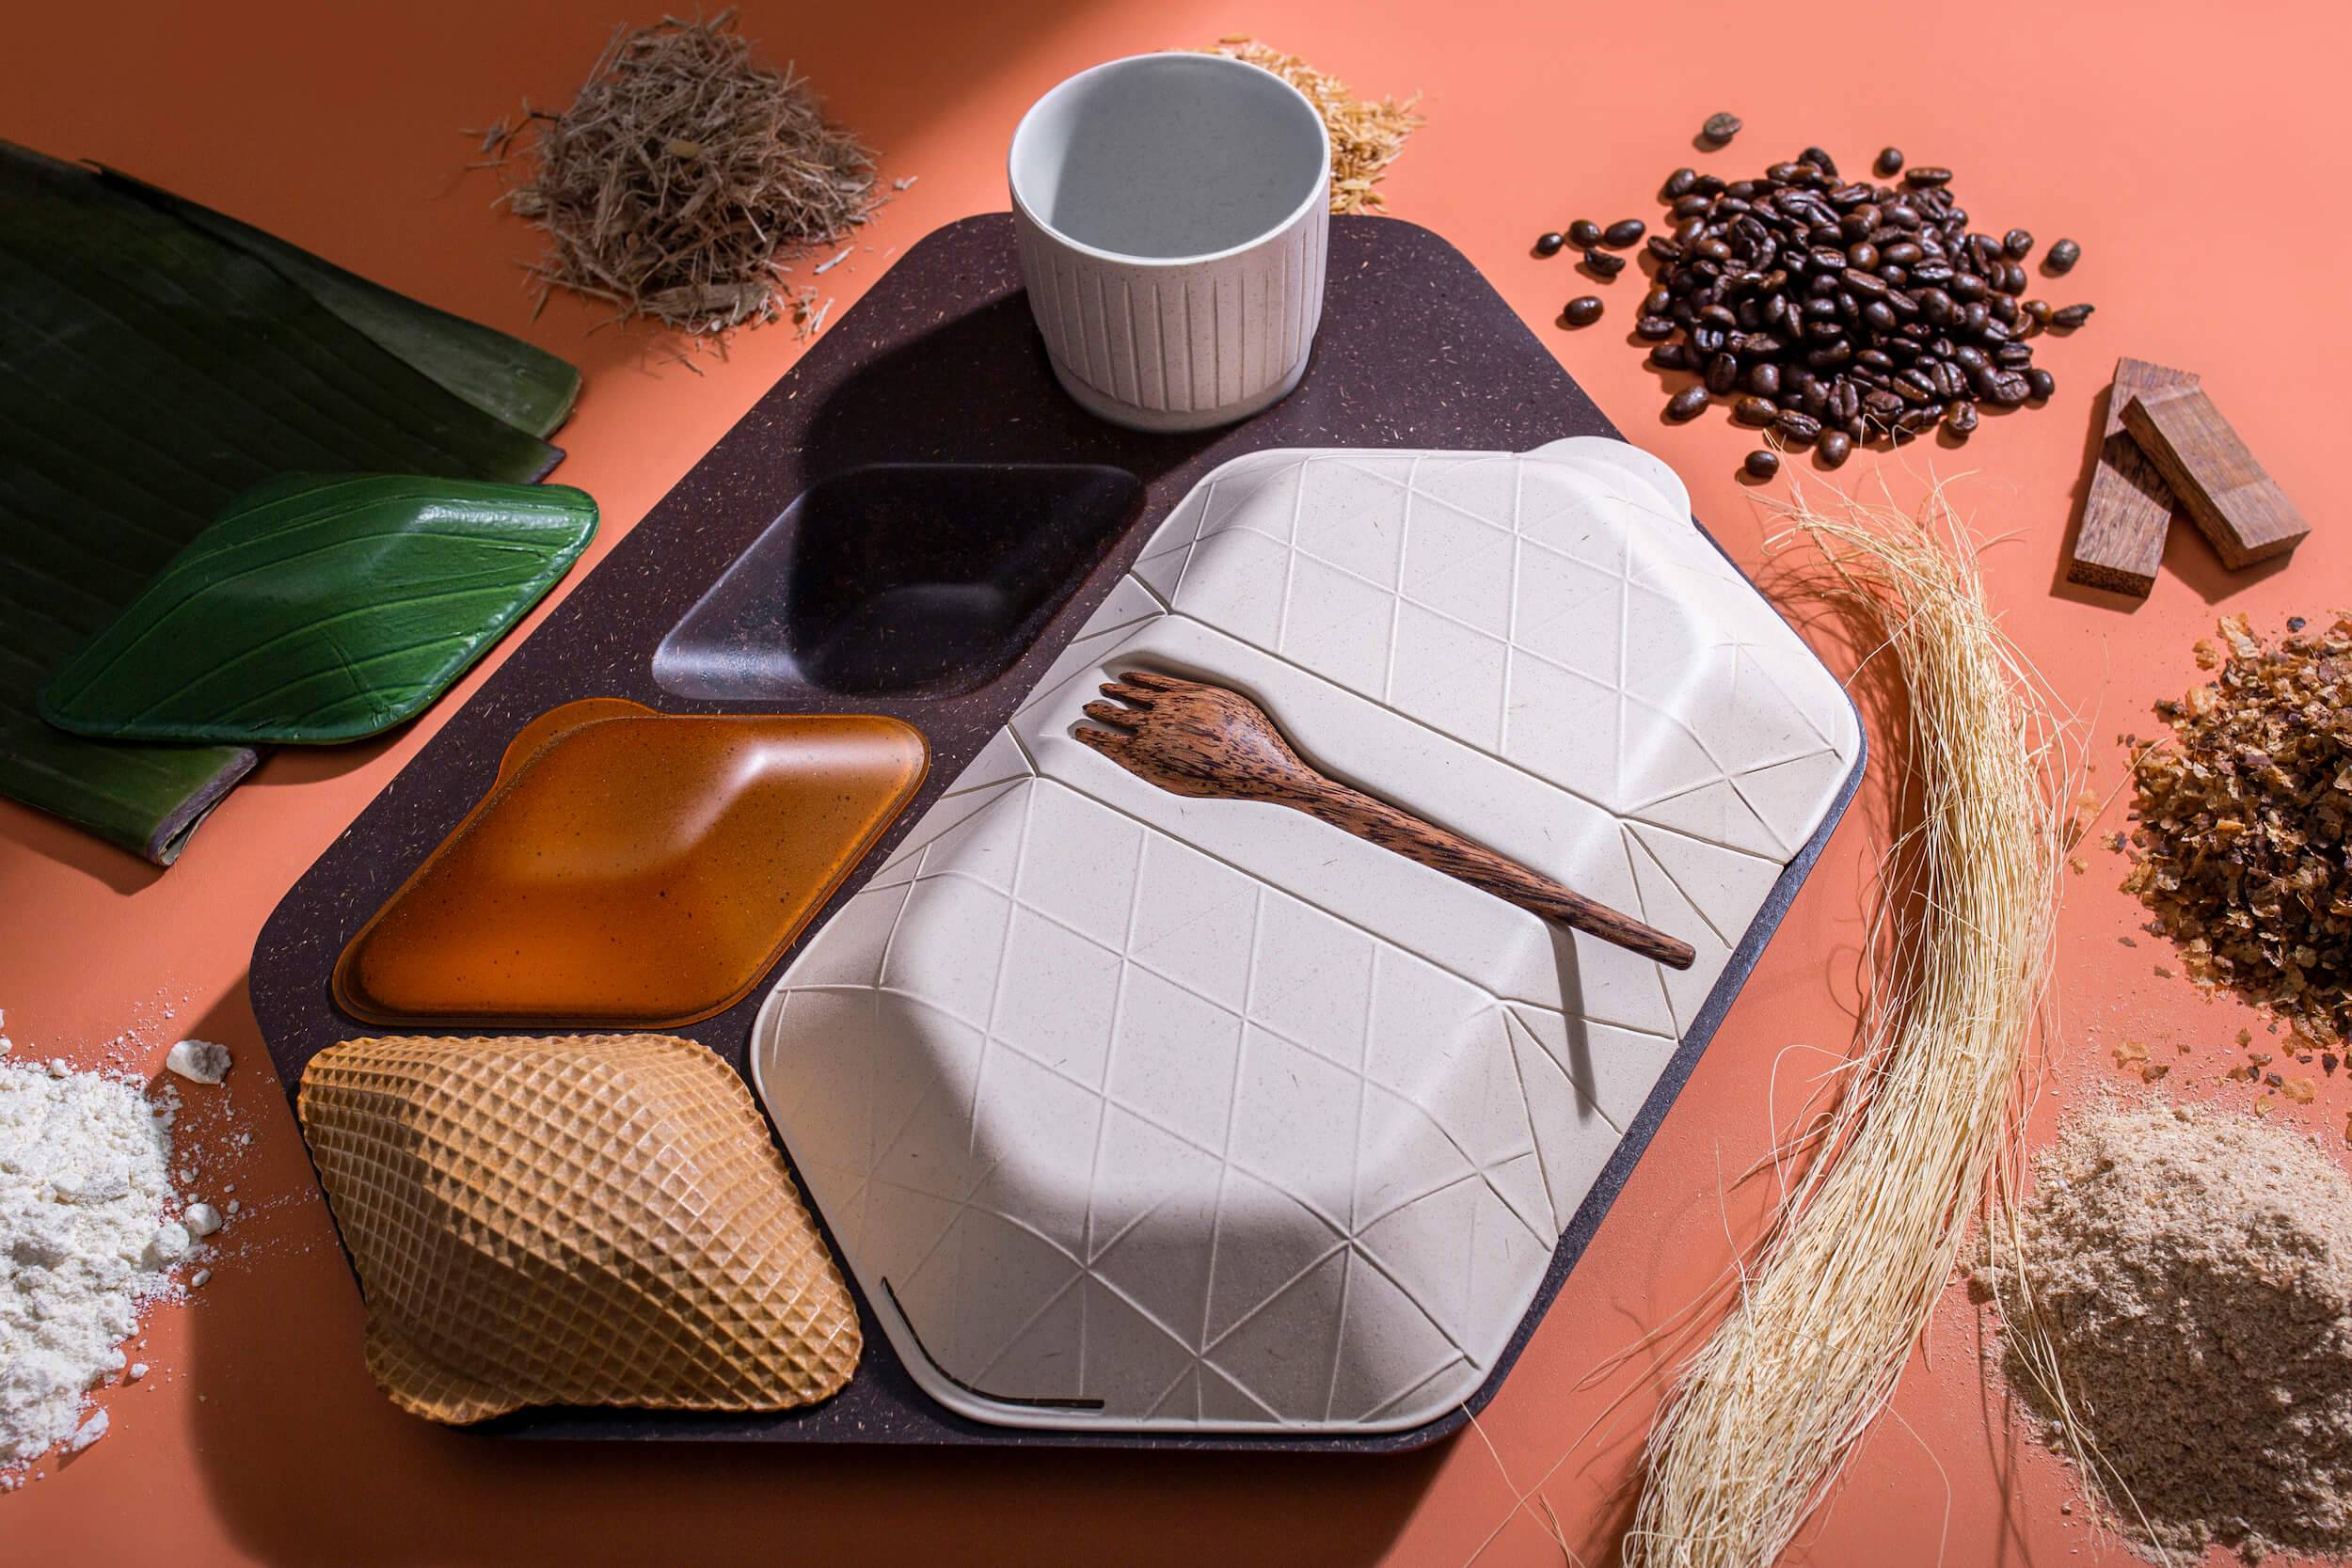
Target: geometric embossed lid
632 868
1140 1112
598 1220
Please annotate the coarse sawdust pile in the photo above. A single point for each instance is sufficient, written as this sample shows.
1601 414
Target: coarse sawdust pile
684 176
2186 1278
1367 135
2240 847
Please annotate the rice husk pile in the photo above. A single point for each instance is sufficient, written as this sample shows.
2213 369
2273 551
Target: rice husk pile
1366 136
2240 848
684 174
2191 1270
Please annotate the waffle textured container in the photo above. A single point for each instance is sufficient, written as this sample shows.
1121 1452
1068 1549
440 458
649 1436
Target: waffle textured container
592 1220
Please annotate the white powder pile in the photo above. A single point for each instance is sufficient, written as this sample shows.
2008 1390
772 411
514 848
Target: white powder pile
83 1186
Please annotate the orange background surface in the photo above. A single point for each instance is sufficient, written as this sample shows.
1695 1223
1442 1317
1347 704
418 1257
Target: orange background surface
2196 152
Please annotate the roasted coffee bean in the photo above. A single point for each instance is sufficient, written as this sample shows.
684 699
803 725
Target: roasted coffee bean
1691 206
1679 184
1862 254
1657 302
2036 312
1624 234
1583 310
2018 242
1889 163
2008 389
1761 463
2070 317
1604 263
2060 258
1550 245
1687 403
1664 249
1669 357
2014 279
1864 282
1710 184
2040 383
1820 159
1754 410
1708 339
1691 231
1653 328
1927 174
1903 253
1584 234
1719 128
1764 379
1834 446
1879 317
1816 395
2013 356
1722 374
1790 173
1796 427
1713 250
1961 420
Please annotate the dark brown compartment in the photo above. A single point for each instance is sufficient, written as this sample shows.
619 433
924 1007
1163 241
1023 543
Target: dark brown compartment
907 578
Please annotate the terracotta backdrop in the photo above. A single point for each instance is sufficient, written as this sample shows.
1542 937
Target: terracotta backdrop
2196 152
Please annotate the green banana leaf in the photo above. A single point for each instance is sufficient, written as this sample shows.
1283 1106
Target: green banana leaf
321 608
506 378
149 372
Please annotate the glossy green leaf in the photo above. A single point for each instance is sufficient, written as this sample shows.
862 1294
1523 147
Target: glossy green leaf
321 609
150 370
528 388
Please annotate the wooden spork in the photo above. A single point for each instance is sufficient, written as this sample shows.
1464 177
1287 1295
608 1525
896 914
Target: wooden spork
1193 739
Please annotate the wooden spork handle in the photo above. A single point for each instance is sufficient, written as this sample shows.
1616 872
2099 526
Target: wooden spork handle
1375 822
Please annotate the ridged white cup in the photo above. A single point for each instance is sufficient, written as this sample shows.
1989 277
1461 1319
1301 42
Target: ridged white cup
1175 211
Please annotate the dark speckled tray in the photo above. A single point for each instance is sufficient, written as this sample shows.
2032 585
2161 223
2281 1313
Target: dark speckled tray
826 476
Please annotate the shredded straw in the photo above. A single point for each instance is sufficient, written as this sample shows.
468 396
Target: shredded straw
1366 136
684 174
1865 1238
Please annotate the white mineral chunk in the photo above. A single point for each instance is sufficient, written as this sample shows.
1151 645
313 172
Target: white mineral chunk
201 1219
169 1244
199 1061
139 1371
88 1432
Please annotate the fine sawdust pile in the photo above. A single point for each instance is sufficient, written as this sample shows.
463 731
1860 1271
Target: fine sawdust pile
2240 847
2193 1271
1366 136
683 177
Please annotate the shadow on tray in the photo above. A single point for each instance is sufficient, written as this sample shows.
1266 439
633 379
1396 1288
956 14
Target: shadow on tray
307 1462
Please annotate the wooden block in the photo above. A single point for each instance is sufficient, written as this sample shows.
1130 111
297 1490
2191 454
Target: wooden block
2127 510
2228 494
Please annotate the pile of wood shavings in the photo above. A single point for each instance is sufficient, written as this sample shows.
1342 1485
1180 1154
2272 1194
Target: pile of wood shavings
684 174
2192 1272
2240 850
1366 136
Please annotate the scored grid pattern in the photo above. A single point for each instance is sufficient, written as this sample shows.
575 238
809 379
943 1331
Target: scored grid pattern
600 1220
1019 1262
1228 1012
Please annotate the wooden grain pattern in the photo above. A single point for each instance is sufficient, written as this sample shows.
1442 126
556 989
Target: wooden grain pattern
2128 509
1193 739
2228 494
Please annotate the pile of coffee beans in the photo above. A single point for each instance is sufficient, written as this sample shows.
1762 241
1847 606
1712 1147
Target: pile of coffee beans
1833 313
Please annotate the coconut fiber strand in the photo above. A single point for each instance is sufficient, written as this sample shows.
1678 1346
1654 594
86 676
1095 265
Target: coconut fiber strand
1866 1237
685 174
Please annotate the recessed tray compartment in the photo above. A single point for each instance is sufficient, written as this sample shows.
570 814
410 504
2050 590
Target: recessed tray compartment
1159 1114
632 868
901 578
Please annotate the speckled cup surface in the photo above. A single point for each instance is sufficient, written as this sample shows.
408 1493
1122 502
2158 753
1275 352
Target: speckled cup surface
1173 211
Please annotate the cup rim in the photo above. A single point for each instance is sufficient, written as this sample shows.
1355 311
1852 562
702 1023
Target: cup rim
1320 194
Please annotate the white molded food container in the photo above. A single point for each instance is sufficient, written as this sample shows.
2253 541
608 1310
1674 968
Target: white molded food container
1138 1112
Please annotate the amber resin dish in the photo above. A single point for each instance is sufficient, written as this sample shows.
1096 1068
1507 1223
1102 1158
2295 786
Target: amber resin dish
632 867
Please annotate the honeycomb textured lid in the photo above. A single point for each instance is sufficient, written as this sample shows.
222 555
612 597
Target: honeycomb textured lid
594 1220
